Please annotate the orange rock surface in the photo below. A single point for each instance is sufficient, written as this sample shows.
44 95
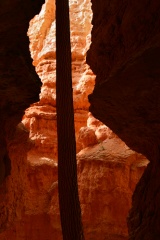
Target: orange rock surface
107 174
108 170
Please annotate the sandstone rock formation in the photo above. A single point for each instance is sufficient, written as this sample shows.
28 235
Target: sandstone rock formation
19 87
124 55
108 170
19 84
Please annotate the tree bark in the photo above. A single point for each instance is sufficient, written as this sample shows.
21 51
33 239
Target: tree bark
70 211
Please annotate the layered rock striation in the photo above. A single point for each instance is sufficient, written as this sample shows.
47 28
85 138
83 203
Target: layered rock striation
108 170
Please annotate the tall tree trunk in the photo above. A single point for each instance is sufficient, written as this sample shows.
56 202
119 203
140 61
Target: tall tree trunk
70 211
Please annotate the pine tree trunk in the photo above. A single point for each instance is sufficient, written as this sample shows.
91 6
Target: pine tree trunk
70 211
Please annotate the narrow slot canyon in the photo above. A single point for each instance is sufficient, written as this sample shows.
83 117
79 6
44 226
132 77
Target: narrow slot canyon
115 74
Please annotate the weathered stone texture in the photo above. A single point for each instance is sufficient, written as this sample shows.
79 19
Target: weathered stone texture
107 175
19 83
125 56
108 170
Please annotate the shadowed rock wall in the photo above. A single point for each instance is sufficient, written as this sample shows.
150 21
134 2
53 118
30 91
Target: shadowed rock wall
108 170
125 56
19 83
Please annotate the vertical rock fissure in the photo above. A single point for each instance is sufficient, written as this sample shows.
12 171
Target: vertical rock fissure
70 211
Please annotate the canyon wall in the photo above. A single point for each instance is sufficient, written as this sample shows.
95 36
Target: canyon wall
108 170
125 56
19 83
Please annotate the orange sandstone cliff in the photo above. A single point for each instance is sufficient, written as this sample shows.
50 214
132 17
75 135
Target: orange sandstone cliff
108 170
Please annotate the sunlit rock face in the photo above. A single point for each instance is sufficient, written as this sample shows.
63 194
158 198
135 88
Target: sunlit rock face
108 170
107 175
43 51
125 56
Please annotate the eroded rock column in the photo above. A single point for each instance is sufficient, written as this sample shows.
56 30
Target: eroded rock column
108 170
